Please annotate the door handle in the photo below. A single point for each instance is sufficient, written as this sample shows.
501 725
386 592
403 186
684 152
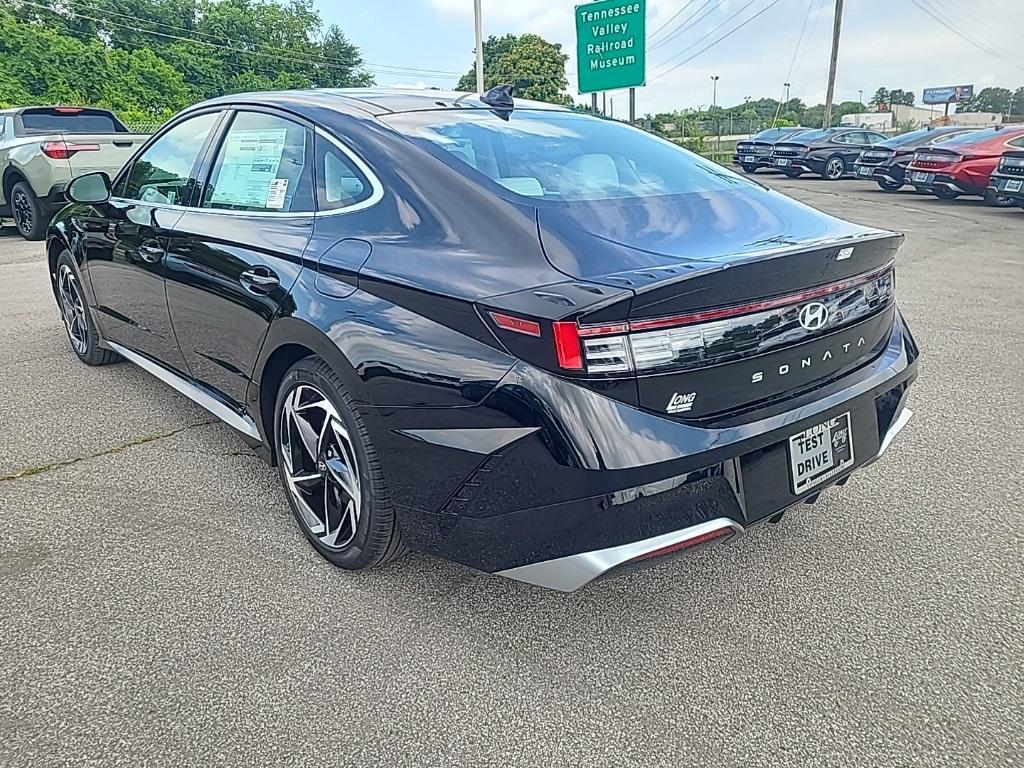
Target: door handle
259 279
150 251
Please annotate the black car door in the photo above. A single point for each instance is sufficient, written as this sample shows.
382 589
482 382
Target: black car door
233 257
127 238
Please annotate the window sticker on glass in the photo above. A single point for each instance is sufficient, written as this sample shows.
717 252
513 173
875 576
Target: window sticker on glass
249 169
277 193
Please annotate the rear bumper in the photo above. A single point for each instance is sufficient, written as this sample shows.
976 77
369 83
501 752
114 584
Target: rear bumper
761 161
589 483
943 181
1007 186
886 172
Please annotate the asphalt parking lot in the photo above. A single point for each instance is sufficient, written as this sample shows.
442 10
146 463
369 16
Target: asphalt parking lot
158 606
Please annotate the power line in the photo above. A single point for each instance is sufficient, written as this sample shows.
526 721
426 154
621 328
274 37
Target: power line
672 18
928 10
796 51
688 23
318 61
710 32
716 42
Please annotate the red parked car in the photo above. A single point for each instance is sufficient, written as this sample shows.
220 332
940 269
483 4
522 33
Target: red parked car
962 166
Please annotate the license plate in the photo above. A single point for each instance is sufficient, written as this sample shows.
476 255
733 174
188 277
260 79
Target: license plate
924 178
864 171
748 159
1013 185
819 453
782 161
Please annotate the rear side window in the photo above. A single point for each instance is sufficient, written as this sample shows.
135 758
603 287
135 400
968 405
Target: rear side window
263 165
163 173
562 156
340 182
70 120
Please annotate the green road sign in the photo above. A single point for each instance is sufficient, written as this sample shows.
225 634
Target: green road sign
610 51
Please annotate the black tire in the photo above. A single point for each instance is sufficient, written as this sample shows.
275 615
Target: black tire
997 200
889 186
376 538
793 174
945 194
30 217
83 337
834 168
747 168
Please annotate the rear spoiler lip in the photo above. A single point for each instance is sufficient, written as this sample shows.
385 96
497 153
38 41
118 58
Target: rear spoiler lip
627 279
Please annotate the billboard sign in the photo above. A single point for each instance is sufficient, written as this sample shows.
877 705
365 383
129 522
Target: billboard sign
950 94
610 50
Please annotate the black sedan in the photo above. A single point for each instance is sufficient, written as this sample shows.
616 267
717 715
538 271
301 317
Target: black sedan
1007 181
533 341
756 151
830 152
886 162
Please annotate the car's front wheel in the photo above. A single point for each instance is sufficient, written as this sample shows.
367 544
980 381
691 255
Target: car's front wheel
74 311
330 470
27 211
835 168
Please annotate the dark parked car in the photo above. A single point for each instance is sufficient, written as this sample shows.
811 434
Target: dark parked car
756 151
533 341
1008 178
886 162
830 152
963 165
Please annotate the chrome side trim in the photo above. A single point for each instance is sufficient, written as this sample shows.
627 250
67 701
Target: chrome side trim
567 574
228 415
895 428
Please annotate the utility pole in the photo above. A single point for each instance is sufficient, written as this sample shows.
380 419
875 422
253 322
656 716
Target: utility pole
837 25
613 107
479 24
714 110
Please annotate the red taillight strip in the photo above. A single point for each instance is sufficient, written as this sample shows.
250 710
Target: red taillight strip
738 309
516 324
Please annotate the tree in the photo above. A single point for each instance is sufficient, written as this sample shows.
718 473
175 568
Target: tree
535 66
989 100
880 100
900 96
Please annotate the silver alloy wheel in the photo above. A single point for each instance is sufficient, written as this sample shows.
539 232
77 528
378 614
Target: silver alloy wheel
72 309
835 168
320 467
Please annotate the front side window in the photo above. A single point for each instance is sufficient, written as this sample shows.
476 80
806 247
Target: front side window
263 166
164 171
561 156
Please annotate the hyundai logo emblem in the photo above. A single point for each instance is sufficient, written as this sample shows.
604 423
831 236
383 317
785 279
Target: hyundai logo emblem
813 316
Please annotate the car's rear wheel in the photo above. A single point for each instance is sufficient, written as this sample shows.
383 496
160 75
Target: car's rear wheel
889 186
999 201
27 212
330 470
793 174
946 194
74 311
748 168
835 168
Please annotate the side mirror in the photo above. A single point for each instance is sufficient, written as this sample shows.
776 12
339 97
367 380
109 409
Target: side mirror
89 188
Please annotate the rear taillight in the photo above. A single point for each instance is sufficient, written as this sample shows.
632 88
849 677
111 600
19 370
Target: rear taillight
61 150
702 338
517 324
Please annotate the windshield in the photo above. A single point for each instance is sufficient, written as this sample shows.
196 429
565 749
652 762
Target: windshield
562 156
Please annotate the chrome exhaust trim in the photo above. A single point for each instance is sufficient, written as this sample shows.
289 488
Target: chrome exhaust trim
895 428
567 574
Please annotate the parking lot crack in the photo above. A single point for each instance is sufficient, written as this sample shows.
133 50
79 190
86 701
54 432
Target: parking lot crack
42 468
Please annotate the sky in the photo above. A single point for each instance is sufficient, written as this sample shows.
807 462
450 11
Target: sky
888 43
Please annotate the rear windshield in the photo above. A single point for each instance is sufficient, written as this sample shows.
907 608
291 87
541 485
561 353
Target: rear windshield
70 121
809 135
562 156
905 138
975 137
772 133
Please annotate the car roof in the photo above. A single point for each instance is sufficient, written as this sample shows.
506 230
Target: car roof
375 101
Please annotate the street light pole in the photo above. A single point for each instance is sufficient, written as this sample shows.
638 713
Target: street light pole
860 95
787 92
479 25
714 109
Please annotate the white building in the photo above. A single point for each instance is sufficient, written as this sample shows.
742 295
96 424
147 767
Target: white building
918 117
